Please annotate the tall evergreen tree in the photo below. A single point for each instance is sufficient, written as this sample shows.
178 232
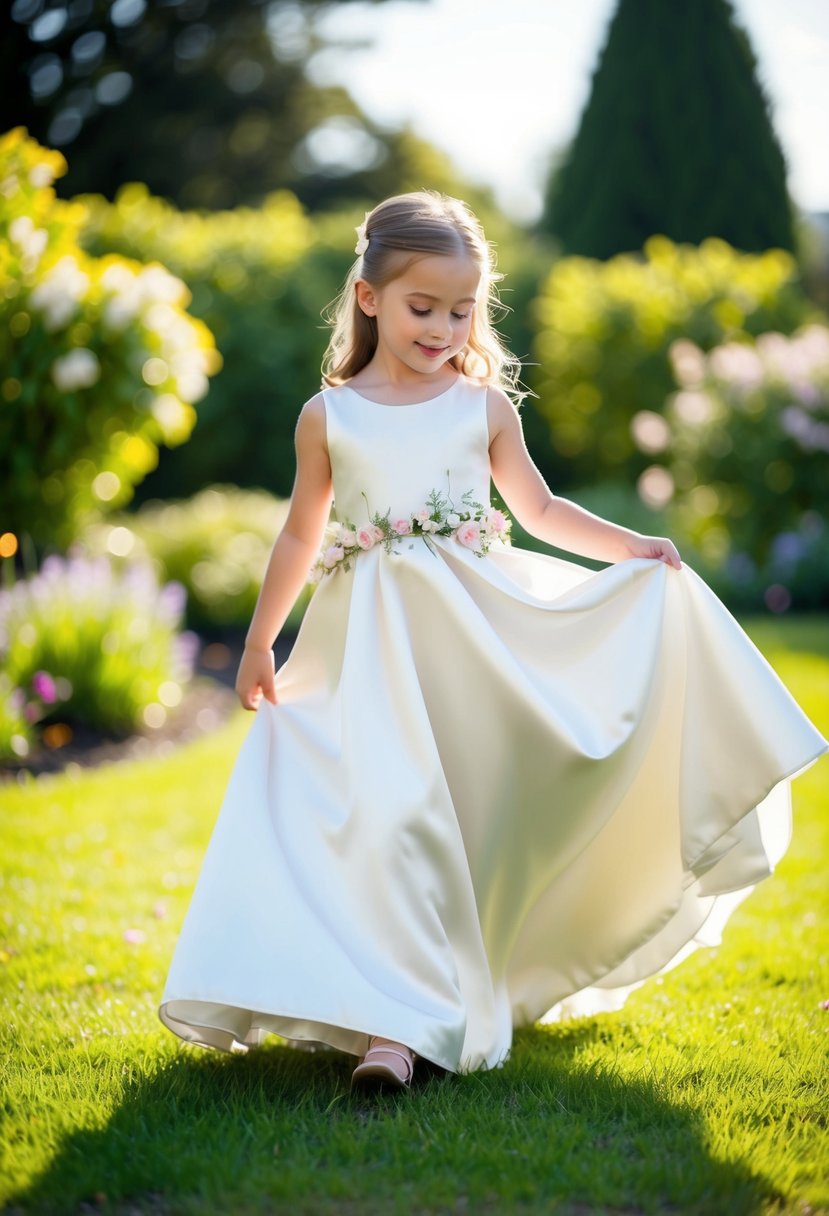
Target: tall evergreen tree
676 138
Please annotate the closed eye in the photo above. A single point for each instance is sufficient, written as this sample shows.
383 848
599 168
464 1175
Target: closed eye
424 312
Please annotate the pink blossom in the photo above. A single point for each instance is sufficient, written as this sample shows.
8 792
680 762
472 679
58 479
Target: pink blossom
366 536
422 514
44 687
134 936
332 555
378 533
469 534
496 521
346 537
402 526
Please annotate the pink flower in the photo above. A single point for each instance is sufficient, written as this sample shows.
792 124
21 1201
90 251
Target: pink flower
332 555
469 534
378 533
366 537
44 687
496 521
422 514
402 526
346 537
134 936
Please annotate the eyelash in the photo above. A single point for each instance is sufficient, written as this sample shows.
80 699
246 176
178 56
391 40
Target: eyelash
424 312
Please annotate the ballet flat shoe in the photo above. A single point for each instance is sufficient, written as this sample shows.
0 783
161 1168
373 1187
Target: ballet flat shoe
374 1073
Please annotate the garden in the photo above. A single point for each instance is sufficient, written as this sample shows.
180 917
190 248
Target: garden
154 354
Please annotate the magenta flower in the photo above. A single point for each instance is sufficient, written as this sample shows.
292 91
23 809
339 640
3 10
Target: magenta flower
44 687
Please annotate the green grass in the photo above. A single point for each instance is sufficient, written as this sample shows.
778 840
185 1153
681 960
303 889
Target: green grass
706 1094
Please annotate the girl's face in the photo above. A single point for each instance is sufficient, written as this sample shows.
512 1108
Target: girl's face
424 316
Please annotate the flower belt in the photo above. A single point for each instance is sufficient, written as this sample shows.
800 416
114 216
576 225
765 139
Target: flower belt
472 524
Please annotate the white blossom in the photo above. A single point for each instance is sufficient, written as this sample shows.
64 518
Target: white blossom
59 292
41 175
79 369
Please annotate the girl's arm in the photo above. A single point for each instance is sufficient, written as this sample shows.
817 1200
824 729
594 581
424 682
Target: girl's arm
291 557
543 514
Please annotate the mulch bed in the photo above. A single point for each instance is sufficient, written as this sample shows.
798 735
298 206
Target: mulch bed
209 700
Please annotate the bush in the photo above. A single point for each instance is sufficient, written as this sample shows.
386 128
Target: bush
604 331
216 545
101 363
80 643
260 278
747 460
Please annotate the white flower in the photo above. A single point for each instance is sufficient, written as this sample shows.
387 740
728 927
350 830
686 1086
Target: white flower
345 537
332 555
58 293
41 175
453 520
20 229
79 369
32 241
362 239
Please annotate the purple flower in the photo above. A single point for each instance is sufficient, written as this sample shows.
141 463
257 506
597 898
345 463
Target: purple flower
44 687
172 600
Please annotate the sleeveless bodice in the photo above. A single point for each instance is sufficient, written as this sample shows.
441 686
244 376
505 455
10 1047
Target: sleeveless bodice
397 454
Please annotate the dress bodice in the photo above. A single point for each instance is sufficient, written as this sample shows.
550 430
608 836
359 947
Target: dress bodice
397 454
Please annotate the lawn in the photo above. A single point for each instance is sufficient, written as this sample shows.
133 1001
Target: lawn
707 1094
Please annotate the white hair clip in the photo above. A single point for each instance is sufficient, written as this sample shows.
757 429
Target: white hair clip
362 239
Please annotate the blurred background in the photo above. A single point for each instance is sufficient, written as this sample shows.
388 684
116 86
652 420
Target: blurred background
179 186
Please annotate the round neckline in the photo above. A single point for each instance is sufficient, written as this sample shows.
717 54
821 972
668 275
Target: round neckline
384 405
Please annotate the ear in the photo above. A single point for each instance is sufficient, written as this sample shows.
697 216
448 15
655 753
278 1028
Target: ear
366 297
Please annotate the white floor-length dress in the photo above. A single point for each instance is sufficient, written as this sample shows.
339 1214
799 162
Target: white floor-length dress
493 787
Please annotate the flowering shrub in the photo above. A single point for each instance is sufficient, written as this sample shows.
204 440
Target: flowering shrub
604 330
747 455
82 644
259 277
101 363
216 544
473 525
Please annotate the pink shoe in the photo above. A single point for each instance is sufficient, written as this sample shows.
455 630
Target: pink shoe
378 1067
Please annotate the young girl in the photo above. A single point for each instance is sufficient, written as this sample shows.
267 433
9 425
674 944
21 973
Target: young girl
488 786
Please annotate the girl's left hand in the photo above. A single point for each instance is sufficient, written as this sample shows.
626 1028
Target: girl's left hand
654 546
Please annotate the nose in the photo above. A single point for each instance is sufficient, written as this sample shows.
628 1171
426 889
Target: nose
441 329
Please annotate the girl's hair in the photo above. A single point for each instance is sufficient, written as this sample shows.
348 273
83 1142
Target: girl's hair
419 224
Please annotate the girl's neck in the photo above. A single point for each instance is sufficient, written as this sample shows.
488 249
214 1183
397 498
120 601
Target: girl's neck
401 385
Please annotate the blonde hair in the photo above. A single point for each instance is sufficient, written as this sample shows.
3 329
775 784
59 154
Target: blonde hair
421 223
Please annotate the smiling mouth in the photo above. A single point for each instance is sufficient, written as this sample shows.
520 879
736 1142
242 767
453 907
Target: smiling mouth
431 350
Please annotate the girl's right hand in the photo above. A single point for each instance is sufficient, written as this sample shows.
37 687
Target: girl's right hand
255 678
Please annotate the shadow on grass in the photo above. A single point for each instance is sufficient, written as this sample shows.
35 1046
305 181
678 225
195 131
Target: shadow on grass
277 1131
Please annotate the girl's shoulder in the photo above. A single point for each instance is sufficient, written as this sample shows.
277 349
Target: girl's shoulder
311 422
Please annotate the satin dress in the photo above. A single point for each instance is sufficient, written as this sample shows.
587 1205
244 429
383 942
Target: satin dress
494 789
